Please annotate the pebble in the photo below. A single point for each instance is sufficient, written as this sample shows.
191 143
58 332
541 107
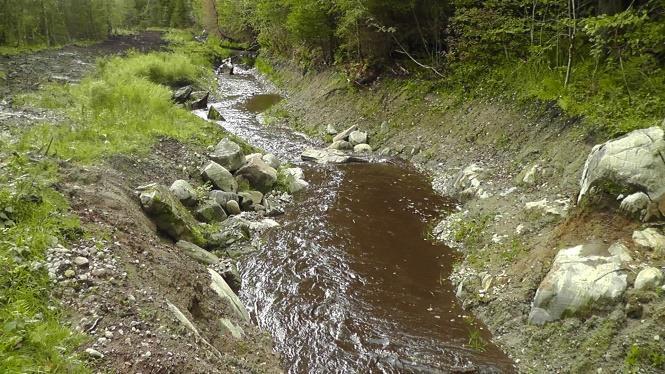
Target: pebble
81 261
94 353
69 273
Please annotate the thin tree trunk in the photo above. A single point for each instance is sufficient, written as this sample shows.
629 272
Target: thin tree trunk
533 20
572 32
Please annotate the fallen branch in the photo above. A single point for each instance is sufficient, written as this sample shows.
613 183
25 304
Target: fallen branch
402 51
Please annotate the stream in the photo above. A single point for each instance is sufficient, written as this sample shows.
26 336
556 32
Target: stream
349 283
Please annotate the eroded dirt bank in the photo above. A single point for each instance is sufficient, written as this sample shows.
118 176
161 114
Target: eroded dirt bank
516 174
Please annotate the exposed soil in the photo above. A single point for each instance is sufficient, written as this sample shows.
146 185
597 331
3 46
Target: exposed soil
514 247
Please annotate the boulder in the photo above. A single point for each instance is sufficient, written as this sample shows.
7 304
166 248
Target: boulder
184 191
250 199
197 253
650 239
258 174
230 232
215 115
228 154
198 100
331 130
466 184
232 207
272 160
649 279
632 163
253 156
635 204
341 145
222 197
210 211
294 180
222 289
219 177
181 95
357 137
362 148
345 134
581 278
329 156
170 216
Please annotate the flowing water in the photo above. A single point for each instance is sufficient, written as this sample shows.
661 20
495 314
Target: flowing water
349 283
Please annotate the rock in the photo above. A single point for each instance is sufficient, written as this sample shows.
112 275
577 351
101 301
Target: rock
170 216
258 174
621 251
232 207
222 197
231 231
581 278
557 208
231 328
635 204
214 114
197 253
362 148
345 134
263 225
227 269
650 239
94 353
219 177
184 192
341 145
530 175
219 285
253 156
210 211
271 160
466 184
249 199
81 261
329 156
294 180
226 67
69 273
228 154
357 137
631 163
198 100
634 310
331 130
181 95
649 279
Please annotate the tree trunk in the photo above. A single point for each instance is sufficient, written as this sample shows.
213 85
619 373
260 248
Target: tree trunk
571 33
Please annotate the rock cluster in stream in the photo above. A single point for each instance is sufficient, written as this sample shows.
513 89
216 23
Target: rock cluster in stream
349 145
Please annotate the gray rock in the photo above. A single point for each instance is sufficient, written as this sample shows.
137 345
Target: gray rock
81 261
210 211
197 253
219 177
182 94
329 156
170 216
345 134
231 328
232 231
94 353
250 199
530 175
650 239
467 185
258 174
272 160
581 278
223 197
341 145
544 207
649 279
631 163
294 180
357 137
222 289
215 115
184 192
362 148
232 207
253 156
635 204
331 130
228 154
198 100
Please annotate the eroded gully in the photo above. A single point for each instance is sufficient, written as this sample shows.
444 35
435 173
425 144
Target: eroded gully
349 283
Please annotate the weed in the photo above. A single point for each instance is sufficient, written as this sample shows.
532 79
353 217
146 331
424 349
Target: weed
476 340
639 358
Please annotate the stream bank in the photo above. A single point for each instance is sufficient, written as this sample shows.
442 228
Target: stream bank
516 173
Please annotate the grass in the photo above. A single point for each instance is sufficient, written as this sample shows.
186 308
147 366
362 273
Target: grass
644 358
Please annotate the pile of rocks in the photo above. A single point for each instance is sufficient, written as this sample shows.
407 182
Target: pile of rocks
347 146
238 184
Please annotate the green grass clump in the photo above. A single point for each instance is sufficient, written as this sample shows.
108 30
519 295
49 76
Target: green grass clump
34 216
644 358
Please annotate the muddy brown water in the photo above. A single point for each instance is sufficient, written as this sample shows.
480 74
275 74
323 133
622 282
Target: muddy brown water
349 283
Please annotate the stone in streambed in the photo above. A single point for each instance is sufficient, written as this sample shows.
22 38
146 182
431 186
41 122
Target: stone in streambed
219 177
357 137
198 100
228 154
362 148
345 134
258 174
215 115
184 191
170 216
294 180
